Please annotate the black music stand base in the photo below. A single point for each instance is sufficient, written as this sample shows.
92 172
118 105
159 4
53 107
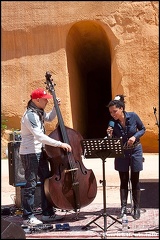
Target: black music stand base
104 214
103 148
105 222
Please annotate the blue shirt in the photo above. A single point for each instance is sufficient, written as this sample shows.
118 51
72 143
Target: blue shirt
132 157
134 127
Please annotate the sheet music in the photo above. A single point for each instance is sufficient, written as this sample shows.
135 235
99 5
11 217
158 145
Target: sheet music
111 147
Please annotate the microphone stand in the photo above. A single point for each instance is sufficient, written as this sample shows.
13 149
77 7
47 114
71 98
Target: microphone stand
155 228
156 116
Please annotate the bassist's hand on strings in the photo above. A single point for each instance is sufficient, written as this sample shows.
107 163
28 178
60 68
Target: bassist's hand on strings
66 147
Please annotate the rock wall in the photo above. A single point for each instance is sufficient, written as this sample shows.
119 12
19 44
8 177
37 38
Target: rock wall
39 36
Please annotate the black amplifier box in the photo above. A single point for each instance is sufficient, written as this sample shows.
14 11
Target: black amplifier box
16 170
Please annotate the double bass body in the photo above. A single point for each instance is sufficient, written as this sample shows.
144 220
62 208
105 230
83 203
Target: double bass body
71 186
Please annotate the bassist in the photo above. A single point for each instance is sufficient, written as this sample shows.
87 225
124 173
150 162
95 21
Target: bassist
34 160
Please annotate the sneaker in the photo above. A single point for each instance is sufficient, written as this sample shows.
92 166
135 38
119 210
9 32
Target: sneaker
51 218
32 221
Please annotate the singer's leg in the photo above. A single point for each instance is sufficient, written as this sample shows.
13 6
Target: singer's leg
124 178
136 192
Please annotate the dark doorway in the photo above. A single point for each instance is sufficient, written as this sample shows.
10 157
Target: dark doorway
89 65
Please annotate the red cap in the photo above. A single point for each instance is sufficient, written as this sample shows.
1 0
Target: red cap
40 93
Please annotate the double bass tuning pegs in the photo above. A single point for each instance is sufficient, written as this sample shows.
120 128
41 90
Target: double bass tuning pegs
48 75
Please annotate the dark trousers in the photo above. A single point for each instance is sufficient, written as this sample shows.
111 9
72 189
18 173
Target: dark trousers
35 165
124 180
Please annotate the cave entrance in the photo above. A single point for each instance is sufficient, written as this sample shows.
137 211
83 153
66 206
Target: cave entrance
89 66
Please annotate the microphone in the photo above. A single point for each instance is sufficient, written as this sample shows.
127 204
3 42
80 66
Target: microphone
111 124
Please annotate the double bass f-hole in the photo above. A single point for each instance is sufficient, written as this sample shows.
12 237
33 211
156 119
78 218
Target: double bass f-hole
71 185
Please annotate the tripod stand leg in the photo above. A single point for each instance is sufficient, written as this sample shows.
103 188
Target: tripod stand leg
115 220
105 223
93 221
156 229
104 207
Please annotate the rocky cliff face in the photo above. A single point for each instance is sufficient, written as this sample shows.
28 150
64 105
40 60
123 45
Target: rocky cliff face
82 43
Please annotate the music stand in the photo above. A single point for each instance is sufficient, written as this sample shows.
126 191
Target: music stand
102 148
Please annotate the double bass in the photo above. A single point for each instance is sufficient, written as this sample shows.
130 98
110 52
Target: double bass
71 186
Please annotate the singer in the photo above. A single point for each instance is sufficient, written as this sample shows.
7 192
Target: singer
130 128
